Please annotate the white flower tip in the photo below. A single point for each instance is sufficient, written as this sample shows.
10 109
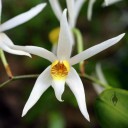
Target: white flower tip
59 98
65 11
58 86
29 55
23 113
89 18
86 115
88 118
41 6
120 37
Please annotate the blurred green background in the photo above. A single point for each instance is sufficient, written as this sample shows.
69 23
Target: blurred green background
106 23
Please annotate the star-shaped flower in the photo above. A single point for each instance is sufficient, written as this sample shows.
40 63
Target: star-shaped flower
61 70
5 42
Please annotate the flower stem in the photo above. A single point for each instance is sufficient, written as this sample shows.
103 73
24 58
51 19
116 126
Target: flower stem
5 63
93 79
79 41
18 78
36 75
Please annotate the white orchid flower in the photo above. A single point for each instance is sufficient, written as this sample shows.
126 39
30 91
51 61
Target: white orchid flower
61 70
91 4
73 6
101 77
5 42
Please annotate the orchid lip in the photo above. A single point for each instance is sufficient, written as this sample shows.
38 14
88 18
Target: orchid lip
60 69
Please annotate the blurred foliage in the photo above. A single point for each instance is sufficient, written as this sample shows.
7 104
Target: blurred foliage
111 108
56 120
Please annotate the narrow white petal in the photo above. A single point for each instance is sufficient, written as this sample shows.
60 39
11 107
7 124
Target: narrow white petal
15 52
75 84
65 39
100 73
4 38
95 49
90 9
6 44
37 51
78 5
58 86
97 88
56 8
42 83
22 18
71 12
0 10
110 2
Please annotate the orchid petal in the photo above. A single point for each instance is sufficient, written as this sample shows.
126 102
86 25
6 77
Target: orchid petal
6 44
100 73
4 38
15 52
65 39
58 86
71 11
22 18
90 9
42 83
98 89
37 51
78 5
110 2
75 84
56 8
95 49
101 77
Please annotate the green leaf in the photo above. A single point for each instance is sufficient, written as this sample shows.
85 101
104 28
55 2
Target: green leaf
112 108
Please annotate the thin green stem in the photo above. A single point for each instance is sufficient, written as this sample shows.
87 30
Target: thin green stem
80 47
93 79
36 75
5 63
79 40
18 78
3 58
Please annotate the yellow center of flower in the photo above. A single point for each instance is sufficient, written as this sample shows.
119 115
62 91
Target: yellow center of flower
60 69
54 35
